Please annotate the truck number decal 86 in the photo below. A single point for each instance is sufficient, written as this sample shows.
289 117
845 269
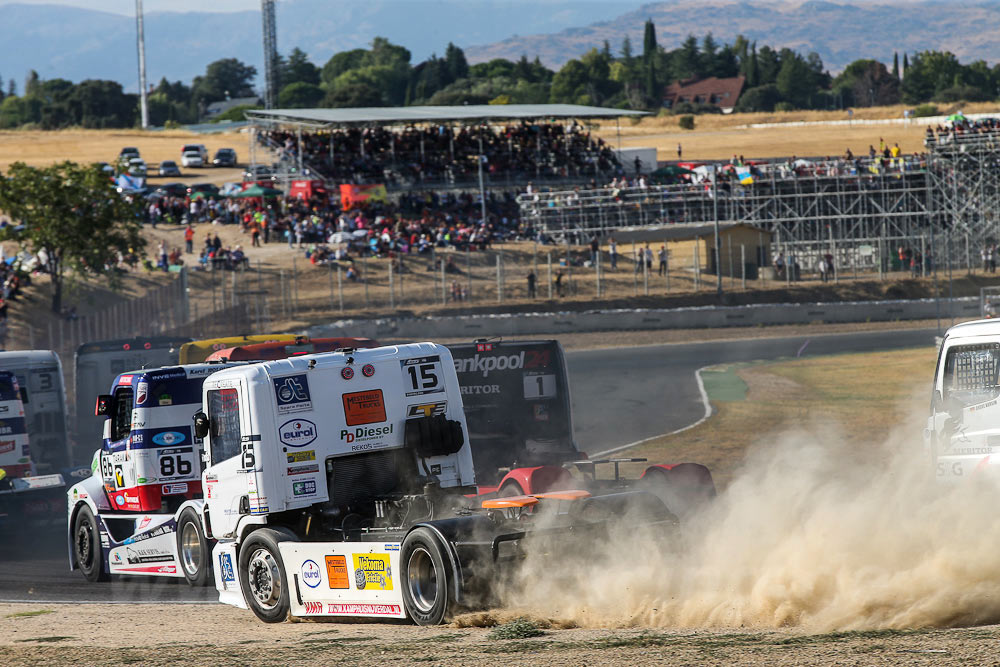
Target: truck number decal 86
175 466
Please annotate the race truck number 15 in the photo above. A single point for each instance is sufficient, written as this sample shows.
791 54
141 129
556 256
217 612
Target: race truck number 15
422 375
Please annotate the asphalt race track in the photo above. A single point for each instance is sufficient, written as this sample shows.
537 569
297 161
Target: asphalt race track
620 395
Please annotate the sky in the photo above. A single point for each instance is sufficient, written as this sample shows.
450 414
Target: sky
127 7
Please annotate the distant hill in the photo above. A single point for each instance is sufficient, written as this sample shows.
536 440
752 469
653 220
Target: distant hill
840 32
77 44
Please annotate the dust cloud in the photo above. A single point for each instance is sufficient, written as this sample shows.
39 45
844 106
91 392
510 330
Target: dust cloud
809 535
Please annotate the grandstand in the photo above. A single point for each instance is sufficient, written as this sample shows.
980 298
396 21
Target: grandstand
440 146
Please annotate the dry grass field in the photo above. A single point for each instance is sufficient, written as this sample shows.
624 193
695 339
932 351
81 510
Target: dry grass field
39 148
836 393
719 137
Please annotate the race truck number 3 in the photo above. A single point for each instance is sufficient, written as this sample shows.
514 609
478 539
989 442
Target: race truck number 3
422 375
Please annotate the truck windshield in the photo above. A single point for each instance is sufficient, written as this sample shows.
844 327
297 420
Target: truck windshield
971 373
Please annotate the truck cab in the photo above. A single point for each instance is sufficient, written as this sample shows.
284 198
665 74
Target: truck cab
15 452
140 512
963 432
149 459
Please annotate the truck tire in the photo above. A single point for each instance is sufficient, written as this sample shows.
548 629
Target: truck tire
684 489
510 489
193 553
262 575
87 546
426 577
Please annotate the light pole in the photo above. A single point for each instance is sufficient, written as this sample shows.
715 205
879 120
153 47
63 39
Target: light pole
482 188
715 214
141 46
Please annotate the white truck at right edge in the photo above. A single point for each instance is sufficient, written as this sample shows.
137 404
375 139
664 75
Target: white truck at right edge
963 432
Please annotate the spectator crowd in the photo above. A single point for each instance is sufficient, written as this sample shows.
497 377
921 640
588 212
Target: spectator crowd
446 154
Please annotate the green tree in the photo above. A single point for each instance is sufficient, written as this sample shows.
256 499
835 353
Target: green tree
570 83
455 63
224 79
72 218
686 61
649 49
300 95
297 68
768 65
354 95
895 64
866 83
793 79
930 73
342 62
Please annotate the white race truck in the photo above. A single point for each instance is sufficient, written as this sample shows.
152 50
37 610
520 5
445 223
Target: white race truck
963 433
140 511
342 485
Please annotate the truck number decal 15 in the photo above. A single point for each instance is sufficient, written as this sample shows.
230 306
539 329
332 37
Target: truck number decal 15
422 375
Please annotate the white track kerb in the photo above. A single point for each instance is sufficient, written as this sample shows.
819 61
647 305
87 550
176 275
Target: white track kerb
708 413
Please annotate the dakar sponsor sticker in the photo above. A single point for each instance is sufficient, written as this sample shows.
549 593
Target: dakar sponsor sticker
337 573
310 573
364 407
304 488
372 572
297 432
302 470
301 457
7 446
292 393
366 438
141 391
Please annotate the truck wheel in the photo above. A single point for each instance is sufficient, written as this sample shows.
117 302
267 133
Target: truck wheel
87 546
426 577
509 489
192 548
262 575
684 489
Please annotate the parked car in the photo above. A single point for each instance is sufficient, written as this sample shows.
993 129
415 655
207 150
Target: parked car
196 148
128 153
169 168
207 188
173 189
192 159
224 157
106 168
137 167
258 172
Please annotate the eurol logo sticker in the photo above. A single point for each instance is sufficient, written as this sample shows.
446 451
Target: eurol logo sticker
310 574
297 432
168 438
141 390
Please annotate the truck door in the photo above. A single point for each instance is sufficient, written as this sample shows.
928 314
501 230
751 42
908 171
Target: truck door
115 469
963 428
229 481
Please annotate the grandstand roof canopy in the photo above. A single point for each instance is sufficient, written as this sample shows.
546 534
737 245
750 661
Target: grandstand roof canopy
469 112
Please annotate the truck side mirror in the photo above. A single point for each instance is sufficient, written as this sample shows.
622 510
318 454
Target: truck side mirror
201 424
103 406
24 395
936 399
